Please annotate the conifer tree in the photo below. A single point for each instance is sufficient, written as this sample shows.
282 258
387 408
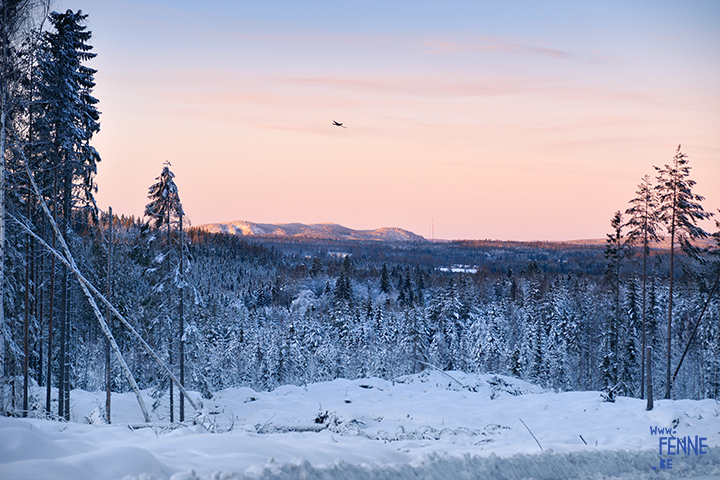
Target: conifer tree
679 211
343 286
644 228
614 254
67 120
164 207
415 340
384 279
165 210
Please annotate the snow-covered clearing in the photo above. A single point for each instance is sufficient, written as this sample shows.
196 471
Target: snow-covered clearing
430 425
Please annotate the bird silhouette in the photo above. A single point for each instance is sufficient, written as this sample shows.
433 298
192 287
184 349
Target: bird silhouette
338 124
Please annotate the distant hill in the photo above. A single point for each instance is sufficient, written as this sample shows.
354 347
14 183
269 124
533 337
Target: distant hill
330 231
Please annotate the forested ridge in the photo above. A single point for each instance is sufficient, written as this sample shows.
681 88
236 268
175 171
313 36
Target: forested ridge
225 311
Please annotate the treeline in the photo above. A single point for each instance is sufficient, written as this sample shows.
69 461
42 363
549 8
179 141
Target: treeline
491 256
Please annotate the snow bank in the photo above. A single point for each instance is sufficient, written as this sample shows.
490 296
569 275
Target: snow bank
430 425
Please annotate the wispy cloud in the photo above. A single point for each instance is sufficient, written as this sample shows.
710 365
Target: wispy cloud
425 86
490 45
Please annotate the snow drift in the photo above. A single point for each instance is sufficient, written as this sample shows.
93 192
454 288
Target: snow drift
430 425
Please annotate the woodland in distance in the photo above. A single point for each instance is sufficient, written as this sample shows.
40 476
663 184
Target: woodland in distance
222 311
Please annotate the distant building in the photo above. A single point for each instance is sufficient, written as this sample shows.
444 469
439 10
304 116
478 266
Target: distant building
459 269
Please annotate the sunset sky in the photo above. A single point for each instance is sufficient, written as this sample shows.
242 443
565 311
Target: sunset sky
518 120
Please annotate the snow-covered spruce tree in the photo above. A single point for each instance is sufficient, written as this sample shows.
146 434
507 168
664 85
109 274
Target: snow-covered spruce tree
561 343
415 339
68 120
614 254
628 340
644 227
679 211
71 117
454 326
165 211
384 279
582 313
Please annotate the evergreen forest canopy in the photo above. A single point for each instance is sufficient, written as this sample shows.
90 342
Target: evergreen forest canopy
222 311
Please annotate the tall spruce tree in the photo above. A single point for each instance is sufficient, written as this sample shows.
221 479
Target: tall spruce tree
165 210
679 211
644 228
67 120
70 116
614 254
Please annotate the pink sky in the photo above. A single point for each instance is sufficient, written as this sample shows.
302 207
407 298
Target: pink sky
524 123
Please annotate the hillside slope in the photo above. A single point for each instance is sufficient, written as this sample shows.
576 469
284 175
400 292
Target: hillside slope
319 230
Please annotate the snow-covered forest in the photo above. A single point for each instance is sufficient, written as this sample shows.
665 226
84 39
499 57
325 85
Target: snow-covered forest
258 317
226 312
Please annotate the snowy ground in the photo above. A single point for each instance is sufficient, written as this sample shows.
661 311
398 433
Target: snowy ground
431 425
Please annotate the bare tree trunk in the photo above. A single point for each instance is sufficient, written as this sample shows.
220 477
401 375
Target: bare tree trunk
644 295
51 307
33 310
181 340
40 306
170 337
668 384
26 318
648 356
61 355
108 376
64 387
172 395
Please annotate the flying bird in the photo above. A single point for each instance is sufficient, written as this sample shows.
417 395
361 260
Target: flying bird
338 124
